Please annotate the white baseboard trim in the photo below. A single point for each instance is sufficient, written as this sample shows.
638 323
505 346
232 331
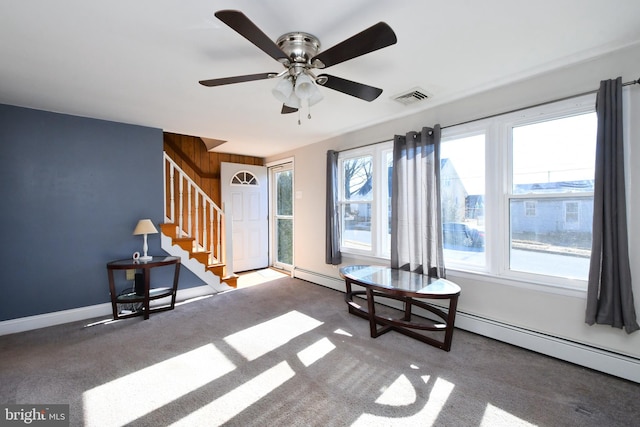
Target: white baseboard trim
598 359
29 323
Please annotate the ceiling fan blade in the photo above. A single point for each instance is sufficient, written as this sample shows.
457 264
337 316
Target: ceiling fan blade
236 79
373 38
239 22
359 90
287 110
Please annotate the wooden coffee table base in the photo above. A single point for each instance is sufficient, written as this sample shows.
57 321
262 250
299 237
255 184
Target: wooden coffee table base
405 325
412 289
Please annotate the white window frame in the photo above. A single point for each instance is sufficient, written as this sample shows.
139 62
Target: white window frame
480 127
554 111
498 185
498 188
378 202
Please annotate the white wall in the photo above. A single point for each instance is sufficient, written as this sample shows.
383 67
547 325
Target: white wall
548 313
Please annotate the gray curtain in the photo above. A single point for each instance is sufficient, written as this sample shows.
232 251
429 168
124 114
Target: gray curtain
333 255
416 222
609 294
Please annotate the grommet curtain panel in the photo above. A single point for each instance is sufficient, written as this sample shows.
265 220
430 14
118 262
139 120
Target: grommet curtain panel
416 219
332 245
609 293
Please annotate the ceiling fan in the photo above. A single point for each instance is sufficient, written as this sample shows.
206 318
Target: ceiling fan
298 53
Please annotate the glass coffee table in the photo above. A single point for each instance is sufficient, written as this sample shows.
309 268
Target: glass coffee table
409 288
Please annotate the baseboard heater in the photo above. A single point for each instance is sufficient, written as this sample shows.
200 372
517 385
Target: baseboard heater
591 357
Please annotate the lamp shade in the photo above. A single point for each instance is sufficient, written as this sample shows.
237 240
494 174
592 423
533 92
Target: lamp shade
315 98
145 226
283 90
284 93
305 87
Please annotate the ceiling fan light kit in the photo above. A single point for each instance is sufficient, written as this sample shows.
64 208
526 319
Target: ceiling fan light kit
298 53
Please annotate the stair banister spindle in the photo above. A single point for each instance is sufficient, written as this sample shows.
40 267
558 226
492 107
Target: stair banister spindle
189 229
164 194
213 253
196 215
172 191
219 253
181 204
205 232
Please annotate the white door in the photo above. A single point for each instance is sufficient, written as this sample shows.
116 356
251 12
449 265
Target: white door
244 194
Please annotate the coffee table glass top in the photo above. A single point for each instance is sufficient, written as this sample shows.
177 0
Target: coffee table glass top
391 278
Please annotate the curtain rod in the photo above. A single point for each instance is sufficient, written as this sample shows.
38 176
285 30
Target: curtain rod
632 82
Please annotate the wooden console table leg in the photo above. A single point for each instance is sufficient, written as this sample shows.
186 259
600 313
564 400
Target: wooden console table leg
407 309
372 313
451 318
112 292
147 291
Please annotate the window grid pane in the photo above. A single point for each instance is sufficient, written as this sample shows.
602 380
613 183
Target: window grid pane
554 159
462 190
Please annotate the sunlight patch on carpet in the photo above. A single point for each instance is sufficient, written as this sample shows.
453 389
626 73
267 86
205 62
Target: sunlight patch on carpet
494 416
257 277
242 397
425 417
260 339
128 398
400 393
315 351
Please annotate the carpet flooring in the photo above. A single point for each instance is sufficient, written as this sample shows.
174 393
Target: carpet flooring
287 353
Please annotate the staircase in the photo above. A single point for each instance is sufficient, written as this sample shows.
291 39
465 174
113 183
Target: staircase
194 228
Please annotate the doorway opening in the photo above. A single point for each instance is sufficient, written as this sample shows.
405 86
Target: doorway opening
281 216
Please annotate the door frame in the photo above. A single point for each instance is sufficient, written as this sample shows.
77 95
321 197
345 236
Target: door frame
273 250
227 171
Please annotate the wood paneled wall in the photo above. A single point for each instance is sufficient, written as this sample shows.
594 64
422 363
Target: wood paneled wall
190 153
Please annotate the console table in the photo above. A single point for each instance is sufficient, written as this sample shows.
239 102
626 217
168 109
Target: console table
408 288
149 293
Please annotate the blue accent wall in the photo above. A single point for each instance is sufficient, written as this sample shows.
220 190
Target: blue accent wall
72 191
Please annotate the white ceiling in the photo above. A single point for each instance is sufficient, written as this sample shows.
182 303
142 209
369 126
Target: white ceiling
139 61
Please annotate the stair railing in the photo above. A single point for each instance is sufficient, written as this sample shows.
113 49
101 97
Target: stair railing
193 212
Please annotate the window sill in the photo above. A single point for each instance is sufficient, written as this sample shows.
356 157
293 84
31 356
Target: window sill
577 291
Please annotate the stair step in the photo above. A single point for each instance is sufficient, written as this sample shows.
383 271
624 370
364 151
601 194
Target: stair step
217 269
188 244
202 257
169 229
185 243
231 281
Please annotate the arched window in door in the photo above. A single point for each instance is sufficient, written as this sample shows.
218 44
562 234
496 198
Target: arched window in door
244 178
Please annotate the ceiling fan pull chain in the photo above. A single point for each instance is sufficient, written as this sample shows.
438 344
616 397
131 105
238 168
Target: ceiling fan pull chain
299 122
309 107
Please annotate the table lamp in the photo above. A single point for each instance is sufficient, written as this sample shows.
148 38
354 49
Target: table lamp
144 227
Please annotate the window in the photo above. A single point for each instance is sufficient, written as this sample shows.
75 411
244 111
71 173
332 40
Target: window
365 200
571 213
516 194
552 164
282 216
244 178
530 208
462 190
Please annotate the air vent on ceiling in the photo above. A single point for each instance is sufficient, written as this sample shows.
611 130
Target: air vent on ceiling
412 96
